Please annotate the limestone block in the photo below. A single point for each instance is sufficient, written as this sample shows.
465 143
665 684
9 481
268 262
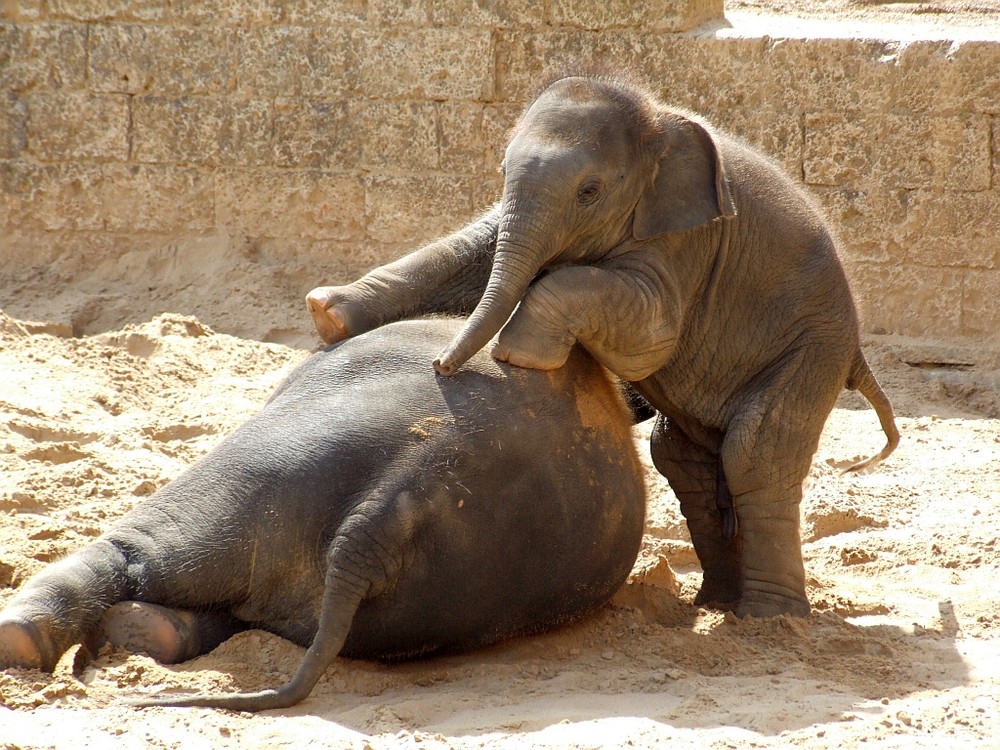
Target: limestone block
525 62
978 70
473 137
649 15
899 150
297 61
710 76
109 10
777 133
910 300
830 74
965 76
67 252
136 59
397 136
498 14
69 126
23 10
924 227
487 191
453 63
871 224
50 197
462 141
316 133
958 229
915 63
995 148
42 56
720 78
498 123
21 248
290 204
397 13
156 198
252 13
413 210
201 130
980 303
13 125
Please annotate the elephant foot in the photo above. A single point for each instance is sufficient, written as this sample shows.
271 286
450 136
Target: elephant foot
329 319
763 604
168 635
714 602
21 646
721 594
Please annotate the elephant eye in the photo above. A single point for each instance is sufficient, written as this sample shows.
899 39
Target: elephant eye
589 192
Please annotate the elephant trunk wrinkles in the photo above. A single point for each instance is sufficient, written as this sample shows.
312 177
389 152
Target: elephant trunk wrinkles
523 241
509 280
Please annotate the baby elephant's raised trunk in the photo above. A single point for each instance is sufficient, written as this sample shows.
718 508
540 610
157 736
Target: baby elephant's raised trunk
509 281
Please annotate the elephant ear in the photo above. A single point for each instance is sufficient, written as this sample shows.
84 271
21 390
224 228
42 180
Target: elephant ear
690 187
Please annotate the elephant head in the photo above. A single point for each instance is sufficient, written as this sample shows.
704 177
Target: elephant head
591 165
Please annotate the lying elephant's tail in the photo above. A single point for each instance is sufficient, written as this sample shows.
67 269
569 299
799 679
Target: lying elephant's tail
862 379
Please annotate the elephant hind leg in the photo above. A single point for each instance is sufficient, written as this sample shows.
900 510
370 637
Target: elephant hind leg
694 473
766 454
58 607
362 560
773 578
21 645
724 503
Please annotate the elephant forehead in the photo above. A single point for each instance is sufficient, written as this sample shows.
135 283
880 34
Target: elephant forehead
541 155
568 122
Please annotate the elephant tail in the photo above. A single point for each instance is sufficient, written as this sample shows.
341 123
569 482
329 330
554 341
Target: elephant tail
862 379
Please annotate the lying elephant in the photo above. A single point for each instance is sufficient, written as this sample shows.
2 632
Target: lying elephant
372 509
688 264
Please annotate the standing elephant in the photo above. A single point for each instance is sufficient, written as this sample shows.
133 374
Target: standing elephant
689 265
371 509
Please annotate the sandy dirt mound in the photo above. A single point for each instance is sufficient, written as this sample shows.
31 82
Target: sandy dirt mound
903 648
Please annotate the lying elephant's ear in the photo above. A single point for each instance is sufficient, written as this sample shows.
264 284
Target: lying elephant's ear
690 187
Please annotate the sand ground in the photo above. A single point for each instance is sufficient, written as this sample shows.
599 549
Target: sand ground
903 648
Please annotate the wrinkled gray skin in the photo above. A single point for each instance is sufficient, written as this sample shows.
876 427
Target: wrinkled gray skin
372 509
686 263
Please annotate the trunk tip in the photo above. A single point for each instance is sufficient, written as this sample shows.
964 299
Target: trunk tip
444 368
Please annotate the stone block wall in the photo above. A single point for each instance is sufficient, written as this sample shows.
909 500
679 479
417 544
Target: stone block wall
331 135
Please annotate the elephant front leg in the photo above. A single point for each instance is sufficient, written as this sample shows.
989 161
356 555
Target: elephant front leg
617 316
447 276
694 473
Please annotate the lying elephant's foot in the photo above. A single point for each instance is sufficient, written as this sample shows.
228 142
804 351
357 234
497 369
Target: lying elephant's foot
167 635
21 646
329 319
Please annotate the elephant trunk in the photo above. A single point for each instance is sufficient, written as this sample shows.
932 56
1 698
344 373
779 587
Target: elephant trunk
512 273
